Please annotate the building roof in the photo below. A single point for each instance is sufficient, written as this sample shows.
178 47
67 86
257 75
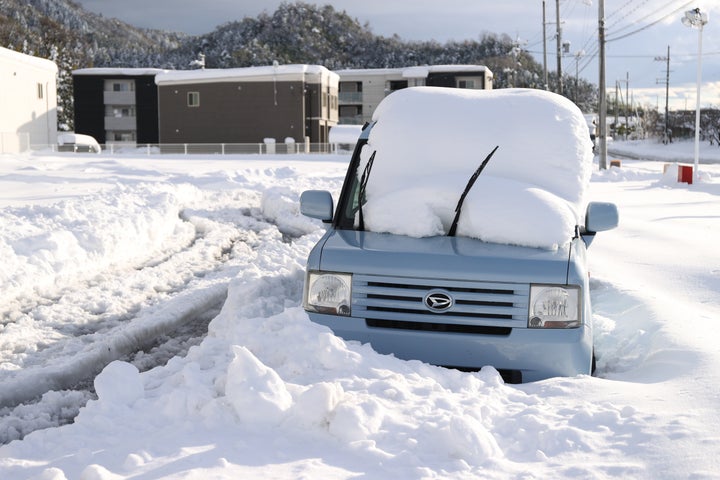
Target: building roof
107 72
370 71
425 70
414 72
35 62
247 74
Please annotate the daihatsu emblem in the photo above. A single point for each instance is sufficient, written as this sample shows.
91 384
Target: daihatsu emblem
438 301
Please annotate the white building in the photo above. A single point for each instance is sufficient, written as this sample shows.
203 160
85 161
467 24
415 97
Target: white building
28 99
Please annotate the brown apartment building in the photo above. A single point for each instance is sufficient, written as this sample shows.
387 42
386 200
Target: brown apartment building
247 105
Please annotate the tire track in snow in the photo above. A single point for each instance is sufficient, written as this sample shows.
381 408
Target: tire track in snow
102 331
261 246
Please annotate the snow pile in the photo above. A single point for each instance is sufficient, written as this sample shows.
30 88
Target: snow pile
429 141
246 408
80 269
45 246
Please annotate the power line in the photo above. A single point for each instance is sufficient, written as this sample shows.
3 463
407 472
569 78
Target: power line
650 24
590 55
623 7
627 5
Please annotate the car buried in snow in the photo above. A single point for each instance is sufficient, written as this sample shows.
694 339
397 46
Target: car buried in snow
460 234
78 143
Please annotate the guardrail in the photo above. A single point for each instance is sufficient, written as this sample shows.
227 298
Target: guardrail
201 148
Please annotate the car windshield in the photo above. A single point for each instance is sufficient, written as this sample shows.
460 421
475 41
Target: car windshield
347 214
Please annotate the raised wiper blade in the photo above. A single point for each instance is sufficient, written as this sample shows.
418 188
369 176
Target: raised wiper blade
471 182
361 192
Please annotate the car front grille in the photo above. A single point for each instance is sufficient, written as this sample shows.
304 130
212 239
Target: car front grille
478 307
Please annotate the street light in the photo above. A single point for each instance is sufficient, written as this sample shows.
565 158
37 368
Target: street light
695 19
579 54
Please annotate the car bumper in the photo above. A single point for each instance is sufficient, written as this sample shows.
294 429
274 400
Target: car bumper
537 354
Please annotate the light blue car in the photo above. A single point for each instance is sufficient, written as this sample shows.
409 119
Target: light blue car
451 300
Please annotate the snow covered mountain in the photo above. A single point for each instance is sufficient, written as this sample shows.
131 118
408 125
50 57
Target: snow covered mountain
64 32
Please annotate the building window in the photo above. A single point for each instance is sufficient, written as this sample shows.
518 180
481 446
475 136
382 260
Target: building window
398 85
40 90
350 86
193 99
120 136
119 112
472 83
120 85
350 115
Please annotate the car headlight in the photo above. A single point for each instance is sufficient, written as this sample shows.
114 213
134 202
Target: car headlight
327 292
555 306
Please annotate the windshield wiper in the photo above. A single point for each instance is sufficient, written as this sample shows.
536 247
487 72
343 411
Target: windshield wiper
471 182
361 191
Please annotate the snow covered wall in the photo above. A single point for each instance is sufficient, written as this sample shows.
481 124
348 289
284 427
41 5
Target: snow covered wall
429 141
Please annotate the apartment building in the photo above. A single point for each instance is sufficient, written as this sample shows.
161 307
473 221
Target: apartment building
298 103
247 105
361 90
117 105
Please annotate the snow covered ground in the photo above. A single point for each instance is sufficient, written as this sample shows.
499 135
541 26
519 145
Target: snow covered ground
104 255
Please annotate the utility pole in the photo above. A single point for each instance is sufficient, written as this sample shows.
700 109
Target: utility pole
559 46
545 71
667 92
618 94
627 101
602 103
578 55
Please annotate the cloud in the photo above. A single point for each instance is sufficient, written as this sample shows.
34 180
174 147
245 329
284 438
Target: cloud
680 97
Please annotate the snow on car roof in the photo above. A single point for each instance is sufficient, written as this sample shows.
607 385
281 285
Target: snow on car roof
344 134
71 138
429 141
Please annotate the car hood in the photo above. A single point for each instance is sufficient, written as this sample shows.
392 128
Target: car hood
459 258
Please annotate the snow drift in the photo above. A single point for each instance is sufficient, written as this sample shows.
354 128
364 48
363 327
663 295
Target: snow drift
325 408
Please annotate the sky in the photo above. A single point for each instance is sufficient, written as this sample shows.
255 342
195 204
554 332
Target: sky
633 63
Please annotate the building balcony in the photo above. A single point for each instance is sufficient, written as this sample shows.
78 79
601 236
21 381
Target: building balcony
350 98
119 98
351 120
120 123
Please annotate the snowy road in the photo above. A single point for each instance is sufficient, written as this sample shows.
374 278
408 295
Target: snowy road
131 272
178 283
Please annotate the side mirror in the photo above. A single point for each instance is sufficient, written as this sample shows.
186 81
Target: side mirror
601 216
317 204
